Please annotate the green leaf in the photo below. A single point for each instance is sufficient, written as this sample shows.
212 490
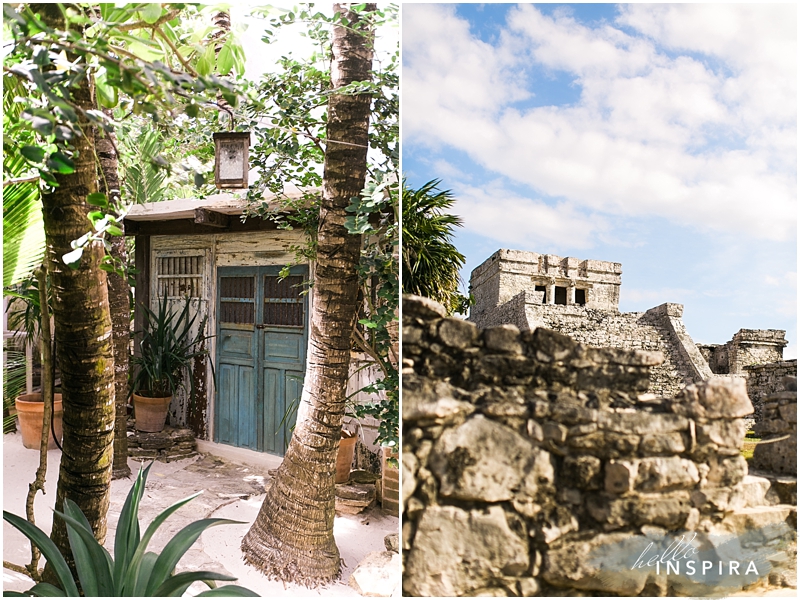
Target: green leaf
192 110
229 590
107 94
205 63
95 216
48 549
97 199
178 546
114 230
126 540
73 259
179 583
61 163
151 13
34 154
92 561
225 59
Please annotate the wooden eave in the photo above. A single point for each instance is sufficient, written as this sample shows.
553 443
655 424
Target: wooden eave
221 213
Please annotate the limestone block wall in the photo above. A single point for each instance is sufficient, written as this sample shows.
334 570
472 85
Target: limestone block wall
508 272
533 464
763 380
777 451
659 329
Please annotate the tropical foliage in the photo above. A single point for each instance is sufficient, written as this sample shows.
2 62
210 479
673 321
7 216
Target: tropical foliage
431 261
133 571
287 111
167 347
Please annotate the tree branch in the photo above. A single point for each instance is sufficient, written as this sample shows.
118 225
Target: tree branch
16 180
145 25
172 46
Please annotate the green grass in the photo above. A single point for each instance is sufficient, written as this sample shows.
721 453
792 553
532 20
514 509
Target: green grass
750 442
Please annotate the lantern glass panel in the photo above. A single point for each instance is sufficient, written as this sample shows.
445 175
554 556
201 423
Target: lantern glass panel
231 159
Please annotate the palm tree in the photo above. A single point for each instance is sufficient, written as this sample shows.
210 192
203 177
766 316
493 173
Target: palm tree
431 262
292 536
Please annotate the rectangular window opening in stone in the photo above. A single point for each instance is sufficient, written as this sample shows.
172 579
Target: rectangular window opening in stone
543 289
561 295
580 297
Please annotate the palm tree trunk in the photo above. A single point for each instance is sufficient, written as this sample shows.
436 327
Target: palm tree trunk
292 537
83 327
119 305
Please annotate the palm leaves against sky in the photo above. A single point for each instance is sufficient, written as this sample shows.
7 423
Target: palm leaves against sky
431 262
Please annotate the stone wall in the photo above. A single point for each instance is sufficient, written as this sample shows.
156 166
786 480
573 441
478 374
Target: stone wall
763 380
533 464
659 329
777 451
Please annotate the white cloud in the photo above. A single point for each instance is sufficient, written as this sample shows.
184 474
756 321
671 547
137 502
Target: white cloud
497 213
654 133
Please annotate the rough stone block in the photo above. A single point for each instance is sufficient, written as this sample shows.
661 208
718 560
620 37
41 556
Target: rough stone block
789 413
713 399
722 432
469 466
601 563
377 575
457 333
504 338
621 476
666 473
583 472
654 444
456 552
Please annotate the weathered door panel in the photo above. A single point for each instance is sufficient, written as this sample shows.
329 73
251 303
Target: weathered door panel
262 328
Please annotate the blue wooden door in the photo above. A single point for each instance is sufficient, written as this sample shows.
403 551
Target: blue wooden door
261 345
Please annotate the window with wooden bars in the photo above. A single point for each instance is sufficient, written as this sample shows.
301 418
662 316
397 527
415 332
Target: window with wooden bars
283 304
237 300
179 276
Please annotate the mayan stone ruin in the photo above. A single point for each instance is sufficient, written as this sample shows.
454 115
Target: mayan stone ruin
534 464
580 298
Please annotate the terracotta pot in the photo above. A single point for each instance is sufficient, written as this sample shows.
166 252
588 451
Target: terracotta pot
344 460
30 410
151 413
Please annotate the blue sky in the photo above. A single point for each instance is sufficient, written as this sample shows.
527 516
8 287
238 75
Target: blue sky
663 137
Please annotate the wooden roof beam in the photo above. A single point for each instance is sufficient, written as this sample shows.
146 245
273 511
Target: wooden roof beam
211 218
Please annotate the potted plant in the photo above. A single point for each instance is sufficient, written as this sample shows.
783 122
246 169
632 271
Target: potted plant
167 347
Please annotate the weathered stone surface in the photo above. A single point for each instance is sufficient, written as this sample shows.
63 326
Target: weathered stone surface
641 423
726 471
503 338
410 466
376 575
713 399
600 563
665 473
722 432
665 510
457 333
422 308
354 498
621 476
456 552
392 542
430 403
662 443
584 472
467 463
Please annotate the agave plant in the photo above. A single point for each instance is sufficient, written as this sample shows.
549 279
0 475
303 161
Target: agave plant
167 347
133 571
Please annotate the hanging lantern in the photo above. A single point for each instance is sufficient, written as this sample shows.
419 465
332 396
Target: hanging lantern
232 159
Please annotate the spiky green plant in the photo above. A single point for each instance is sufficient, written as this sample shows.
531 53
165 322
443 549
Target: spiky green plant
431 262
167 347
133 571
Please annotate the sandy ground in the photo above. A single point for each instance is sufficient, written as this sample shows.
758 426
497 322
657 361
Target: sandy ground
230 490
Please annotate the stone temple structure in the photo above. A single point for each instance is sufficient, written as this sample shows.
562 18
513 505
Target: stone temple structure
580 298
